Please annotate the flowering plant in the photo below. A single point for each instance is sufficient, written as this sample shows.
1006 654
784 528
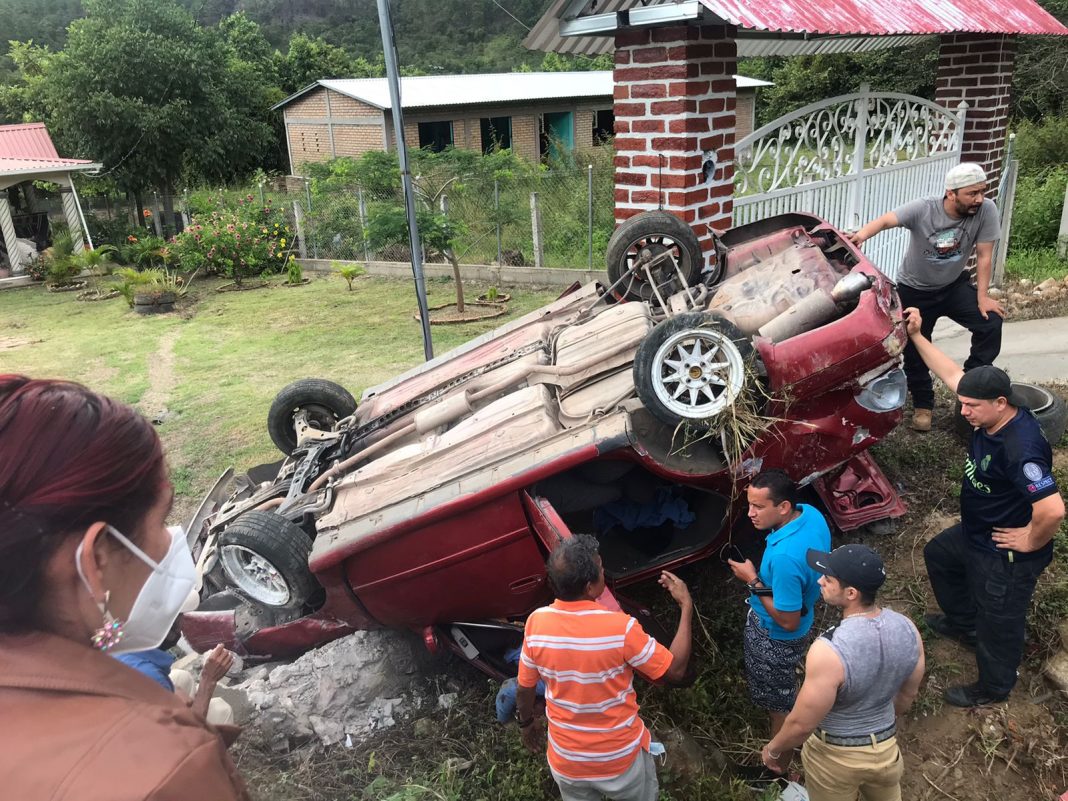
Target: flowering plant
236 242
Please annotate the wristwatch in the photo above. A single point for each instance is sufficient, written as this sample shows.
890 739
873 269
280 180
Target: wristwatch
753 585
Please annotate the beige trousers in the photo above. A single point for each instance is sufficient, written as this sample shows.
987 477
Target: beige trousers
840 773
219 712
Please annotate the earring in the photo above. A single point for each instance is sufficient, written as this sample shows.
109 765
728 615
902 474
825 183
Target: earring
110 634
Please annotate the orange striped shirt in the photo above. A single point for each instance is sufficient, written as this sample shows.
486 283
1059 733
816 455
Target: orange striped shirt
587 656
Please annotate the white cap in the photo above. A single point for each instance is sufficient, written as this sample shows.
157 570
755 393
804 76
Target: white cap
967 173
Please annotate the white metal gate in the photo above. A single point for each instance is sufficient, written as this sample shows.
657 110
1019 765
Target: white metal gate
849 159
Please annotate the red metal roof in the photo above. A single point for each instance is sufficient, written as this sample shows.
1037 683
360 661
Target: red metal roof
28 148
887 18
28 141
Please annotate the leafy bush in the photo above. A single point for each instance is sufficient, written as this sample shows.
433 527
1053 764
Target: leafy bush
130 282
114 232
1036 214
96 260
235 241
143 252
1043 146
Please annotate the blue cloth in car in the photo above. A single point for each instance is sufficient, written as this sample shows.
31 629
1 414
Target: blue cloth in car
632 515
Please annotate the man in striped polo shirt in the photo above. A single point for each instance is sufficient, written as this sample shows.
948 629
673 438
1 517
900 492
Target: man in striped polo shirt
587 654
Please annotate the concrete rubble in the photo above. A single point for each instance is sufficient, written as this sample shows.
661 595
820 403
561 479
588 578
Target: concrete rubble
338 693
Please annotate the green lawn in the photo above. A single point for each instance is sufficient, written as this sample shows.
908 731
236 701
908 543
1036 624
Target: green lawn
232 352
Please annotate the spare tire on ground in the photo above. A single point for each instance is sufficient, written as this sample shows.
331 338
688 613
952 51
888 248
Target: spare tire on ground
1047 407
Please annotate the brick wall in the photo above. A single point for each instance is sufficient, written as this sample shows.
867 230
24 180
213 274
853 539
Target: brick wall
312 104
525 136
977 68
345 106
308 143
745 114
675 115
583 129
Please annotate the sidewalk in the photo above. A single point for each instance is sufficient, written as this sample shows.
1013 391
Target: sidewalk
1035 351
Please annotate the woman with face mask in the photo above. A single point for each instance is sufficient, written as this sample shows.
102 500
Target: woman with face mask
89 569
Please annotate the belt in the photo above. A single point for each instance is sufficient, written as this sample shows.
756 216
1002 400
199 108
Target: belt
856 741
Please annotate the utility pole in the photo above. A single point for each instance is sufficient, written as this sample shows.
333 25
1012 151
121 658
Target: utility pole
385 22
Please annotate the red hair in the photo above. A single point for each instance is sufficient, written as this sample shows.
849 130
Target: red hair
68 458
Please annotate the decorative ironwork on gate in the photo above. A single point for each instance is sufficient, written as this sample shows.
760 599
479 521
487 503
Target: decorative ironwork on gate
849 159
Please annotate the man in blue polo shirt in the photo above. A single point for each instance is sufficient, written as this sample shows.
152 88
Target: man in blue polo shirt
782 594
984 569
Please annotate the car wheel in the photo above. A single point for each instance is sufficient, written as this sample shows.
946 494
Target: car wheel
324 402
644 237
265 557
691 367
1047 407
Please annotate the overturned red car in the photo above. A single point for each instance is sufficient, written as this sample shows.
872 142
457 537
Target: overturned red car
635 412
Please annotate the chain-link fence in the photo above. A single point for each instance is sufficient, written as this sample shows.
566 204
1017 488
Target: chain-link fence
549 218
552 219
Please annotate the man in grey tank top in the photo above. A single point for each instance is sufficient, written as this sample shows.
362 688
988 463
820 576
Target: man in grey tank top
859 676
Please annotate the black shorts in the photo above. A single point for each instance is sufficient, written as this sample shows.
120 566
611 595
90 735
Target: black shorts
771 666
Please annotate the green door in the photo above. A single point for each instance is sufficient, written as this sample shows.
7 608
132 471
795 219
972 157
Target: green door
558 133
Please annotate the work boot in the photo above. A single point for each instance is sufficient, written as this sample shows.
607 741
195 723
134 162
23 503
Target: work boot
969 695
943 628
921 420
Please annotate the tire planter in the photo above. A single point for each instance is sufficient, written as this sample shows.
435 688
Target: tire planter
646 236
154 303
324 402
303 282
1047 407
97 294
265 557
691 367
501 298
71 287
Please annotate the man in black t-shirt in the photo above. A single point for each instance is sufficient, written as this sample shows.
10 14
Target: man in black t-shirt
984 569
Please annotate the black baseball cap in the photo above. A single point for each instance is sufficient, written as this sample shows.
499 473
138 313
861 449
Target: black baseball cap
856 565
987 382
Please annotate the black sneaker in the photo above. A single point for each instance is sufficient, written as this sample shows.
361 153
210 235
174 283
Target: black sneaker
969 695
942 627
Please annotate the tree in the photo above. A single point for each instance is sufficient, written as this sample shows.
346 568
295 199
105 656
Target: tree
154 96
310 59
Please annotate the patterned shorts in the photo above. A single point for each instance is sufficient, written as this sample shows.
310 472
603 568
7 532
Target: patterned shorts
771 666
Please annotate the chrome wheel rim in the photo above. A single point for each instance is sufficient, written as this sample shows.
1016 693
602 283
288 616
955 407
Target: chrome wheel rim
254 575
698 373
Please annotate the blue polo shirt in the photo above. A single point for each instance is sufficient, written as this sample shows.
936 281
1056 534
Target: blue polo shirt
784 568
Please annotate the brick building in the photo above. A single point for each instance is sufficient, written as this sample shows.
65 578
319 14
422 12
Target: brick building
529 112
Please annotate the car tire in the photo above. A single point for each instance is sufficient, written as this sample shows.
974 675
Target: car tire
324 401
265 558
1047 407
656 231
706 388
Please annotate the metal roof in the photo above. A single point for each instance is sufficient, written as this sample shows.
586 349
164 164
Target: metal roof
789 27
467 90
27 148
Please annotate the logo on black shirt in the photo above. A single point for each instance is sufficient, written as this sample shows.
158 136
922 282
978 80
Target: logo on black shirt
970 471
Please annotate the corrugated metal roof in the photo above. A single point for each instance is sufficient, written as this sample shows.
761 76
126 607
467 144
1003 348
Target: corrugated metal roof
466 90
27 148
26 141
800 27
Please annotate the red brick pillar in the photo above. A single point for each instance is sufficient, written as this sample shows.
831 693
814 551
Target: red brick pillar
674 118
977 68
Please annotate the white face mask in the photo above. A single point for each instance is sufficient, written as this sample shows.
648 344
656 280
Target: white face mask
161 597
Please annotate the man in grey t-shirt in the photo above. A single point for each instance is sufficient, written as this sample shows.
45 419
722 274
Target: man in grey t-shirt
943 233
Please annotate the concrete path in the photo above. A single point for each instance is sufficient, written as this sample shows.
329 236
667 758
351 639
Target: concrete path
1035 351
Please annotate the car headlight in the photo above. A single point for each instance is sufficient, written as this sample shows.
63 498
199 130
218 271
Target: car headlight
885 393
